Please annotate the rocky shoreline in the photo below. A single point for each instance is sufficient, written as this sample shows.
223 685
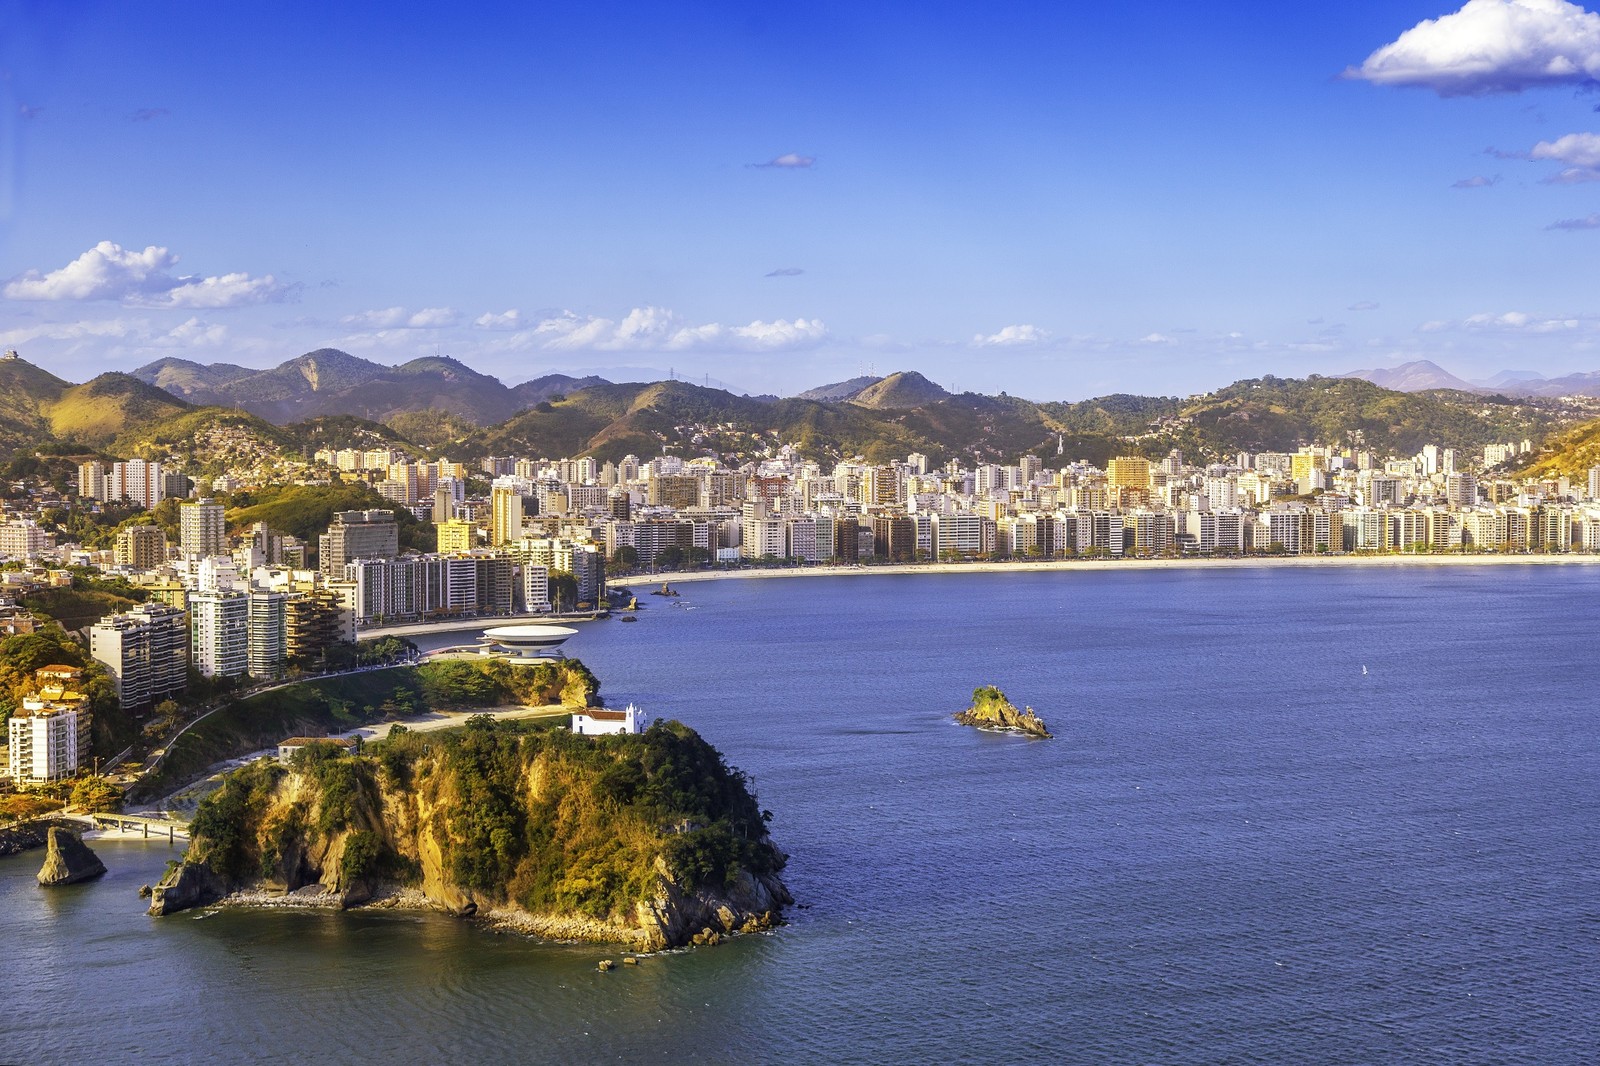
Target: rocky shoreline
717 922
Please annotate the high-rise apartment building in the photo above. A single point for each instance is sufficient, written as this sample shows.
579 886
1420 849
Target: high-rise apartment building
138 480
268 642
146 651
43 746
220 633
140 547
357 535
202 530
505 515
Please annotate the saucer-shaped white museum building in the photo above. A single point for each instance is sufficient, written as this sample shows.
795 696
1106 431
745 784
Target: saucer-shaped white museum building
528 642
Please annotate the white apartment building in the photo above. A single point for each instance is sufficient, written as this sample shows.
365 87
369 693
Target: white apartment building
202 529
220 633
43 746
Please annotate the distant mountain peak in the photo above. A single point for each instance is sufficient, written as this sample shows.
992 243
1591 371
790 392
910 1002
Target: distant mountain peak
905 388
1419 375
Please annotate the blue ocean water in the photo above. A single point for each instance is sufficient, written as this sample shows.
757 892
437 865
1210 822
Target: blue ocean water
1337 815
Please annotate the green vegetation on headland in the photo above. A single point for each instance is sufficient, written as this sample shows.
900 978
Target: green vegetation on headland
335 704
648 839
991 710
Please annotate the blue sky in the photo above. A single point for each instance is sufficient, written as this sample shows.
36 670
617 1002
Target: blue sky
1057 200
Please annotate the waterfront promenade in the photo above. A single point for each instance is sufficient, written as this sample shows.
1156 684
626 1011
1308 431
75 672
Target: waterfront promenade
1071 565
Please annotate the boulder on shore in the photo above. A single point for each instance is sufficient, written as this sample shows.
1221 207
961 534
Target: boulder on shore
68 859
991 710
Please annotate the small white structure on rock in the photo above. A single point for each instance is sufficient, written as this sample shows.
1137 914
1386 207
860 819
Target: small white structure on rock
600 722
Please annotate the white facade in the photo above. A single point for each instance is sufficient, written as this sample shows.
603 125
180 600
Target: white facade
604 723
43 746
536 587
202 530
220 633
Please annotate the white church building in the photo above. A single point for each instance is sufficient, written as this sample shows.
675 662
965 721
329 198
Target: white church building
598 722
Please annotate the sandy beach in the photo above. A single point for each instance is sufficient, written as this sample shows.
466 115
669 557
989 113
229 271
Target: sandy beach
1076 565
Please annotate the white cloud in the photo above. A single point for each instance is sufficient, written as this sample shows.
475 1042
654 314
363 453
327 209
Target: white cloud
1521 321
434 318
1362 305
400 318
1020 336
1586 222
787 161
1579 151
1156 338
1492 46
229 290
109 271
197 333
658 329
117 335
1480 181
106 329
511 319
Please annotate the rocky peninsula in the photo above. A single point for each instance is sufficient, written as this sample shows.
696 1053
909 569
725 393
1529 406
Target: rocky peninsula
647 840
991 710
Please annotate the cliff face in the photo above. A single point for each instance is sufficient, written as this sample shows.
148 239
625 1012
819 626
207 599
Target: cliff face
646 840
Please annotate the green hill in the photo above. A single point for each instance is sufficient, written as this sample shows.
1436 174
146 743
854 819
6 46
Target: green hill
99 411
24 392
1567 454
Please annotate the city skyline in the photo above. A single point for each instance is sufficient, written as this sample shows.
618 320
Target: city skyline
1056 203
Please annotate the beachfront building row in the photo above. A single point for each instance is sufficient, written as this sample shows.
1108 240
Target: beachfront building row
514 579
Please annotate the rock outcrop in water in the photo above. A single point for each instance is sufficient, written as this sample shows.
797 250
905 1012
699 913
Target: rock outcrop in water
68 859
991 710
648 840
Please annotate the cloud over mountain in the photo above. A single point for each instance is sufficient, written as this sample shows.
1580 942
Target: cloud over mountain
1019 336
1492 46
400 318
659 329
109 271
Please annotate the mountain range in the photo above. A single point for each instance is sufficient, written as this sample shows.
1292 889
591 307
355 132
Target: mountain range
328 381
1422 375
225 415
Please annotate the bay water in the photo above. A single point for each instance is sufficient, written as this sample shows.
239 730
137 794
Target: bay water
1329 815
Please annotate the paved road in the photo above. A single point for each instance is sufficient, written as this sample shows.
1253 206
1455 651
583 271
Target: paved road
185 800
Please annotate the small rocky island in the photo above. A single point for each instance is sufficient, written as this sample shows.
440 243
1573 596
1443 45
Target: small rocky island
991 710
68 859
648 840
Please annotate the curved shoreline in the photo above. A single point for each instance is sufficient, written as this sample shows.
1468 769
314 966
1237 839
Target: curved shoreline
1071 565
